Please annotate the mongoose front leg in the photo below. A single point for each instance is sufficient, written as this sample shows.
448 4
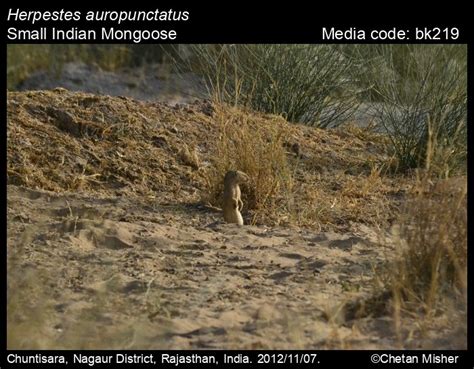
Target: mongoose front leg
241 204
235 203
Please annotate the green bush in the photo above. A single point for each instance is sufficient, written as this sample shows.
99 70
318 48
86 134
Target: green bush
304 83
420 90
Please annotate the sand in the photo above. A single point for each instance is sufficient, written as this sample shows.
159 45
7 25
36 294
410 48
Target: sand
197 282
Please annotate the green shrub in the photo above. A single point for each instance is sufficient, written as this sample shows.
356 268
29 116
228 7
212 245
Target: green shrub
303 83
415 86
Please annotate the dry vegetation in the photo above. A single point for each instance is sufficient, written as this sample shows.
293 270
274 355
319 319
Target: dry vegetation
99 144
301 177
428 278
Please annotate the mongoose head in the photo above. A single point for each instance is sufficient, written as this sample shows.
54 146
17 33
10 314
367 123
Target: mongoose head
235 176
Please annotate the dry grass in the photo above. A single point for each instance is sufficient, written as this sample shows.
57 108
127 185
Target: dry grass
428 278
245 144
423 287
434 228
300 175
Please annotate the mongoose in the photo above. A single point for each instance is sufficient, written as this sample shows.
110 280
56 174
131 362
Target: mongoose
232 202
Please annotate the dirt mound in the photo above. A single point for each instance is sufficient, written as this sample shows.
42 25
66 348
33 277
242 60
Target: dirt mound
69 141
63 141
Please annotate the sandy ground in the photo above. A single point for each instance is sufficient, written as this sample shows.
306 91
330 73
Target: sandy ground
120 274
180 278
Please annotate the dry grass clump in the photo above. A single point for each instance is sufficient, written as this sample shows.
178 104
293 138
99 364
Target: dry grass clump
253 144
433 246
424 285
335 199
301 175
341 177
434 230
427 279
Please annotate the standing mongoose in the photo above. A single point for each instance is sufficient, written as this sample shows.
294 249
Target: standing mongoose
232 202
